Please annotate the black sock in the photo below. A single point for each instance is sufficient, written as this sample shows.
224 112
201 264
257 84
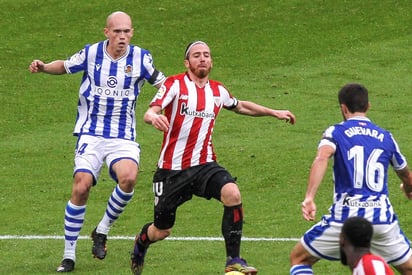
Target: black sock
143 240
232 224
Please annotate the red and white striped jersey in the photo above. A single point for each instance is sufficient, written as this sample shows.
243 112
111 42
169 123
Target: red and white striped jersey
191 112
371 264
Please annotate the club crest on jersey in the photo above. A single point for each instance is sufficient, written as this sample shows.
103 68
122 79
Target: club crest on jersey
128 69
160 93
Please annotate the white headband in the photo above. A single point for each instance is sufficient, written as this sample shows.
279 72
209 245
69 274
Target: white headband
191 46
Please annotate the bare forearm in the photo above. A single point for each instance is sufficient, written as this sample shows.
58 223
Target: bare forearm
55 67
317 172
252 109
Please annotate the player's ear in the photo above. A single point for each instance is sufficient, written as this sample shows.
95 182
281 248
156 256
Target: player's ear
344 108
186 62
106 32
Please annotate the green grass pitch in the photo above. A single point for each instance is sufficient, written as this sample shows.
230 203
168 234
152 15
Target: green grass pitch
285 54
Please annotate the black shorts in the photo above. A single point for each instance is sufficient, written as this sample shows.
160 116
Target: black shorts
172 188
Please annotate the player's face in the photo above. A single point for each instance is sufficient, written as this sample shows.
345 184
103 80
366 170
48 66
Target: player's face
343 257
119 31
199 60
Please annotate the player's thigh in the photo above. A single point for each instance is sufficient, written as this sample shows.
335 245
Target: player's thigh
322 239
391 244
171 189
211 180
122 157
89 156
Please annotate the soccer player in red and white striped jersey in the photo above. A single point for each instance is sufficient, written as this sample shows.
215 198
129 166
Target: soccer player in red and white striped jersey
185 110
355 242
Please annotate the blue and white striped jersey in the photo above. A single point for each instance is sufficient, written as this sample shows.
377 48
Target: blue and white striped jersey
109 89
363 154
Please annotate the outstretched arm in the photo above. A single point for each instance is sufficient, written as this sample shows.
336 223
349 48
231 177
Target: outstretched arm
54 67
252 109
317 172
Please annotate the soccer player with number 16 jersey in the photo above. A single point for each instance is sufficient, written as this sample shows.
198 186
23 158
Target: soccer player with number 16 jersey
362 153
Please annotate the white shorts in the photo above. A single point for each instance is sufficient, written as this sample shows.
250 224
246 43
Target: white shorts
389 242
92 151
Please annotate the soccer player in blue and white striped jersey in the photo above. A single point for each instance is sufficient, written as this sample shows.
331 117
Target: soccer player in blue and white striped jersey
114 72
362 153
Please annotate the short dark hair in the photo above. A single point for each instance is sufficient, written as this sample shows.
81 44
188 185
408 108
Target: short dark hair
358 231
355 97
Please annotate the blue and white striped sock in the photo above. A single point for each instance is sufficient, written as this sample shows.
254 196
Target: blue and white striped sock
301 270
73 223
115 207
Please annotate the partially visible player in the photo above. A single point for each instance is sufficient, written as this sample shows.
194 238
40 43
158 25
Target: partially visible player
362 153
113 74
185 110
355 243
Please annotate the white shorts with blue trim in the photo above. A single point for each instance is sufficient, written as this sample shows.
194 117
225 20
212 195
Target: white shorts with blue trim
389 242
92 151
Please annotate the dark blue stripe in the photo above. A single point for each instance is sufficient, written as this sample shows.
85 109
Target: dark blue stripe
113 69
93 115
115 210
129 61
123 196
123 118
117 202
108 117
70 238
111 216
73 220
75 212
72 229
98 63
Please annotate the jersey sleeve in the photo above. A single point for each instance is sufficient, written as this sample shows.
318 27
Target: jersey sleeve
228 100
398 160
166 93
327 138
77 62
152 75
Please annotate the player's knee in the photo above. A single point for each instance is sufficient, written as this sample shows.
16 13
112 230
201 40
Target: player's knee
127 182
80 192
230 194
300 255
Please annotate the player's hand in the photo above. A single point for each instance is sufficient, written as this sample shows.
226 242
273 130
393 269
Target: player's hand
407 194
160 122
36 66
286 115
309 210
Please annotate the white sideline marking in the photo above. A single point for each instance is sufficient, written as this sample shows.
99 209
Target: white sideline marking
36 237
